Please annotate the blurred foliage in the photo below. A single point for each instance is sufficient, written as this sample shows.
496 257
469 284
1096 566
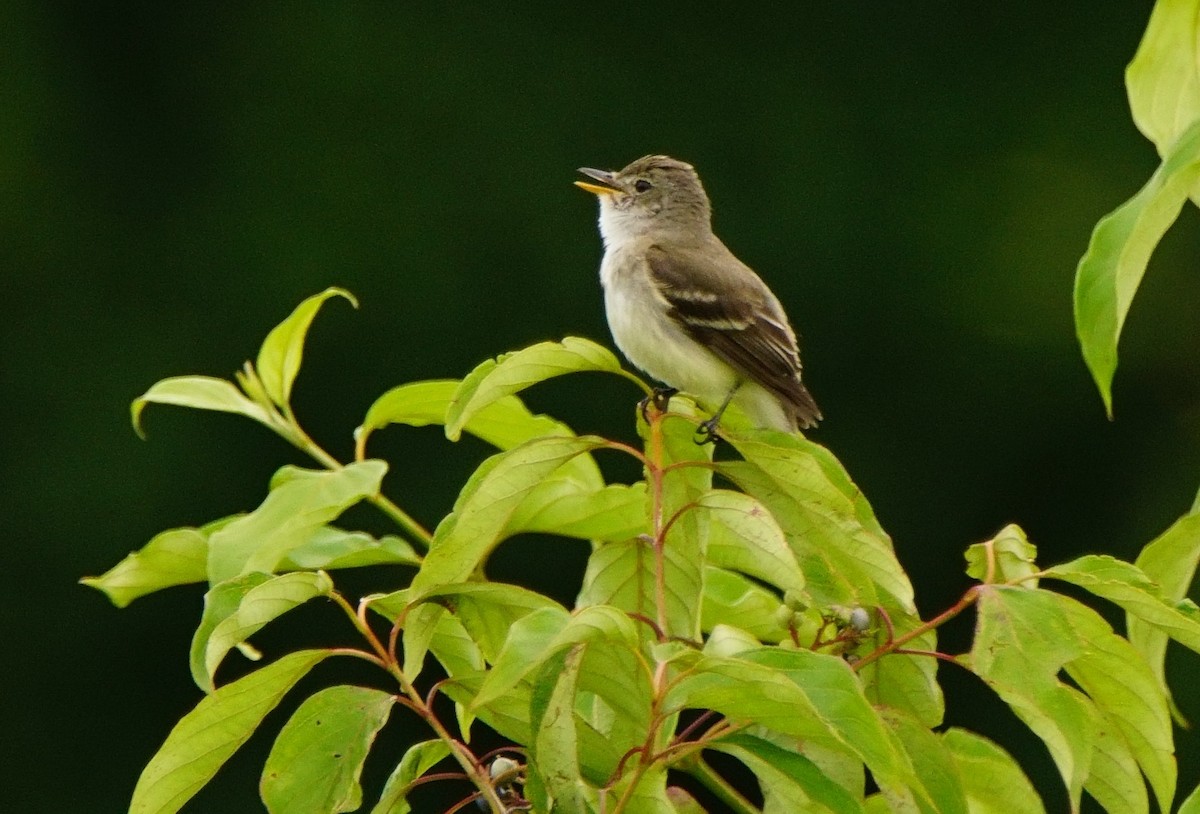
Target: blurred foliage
916 183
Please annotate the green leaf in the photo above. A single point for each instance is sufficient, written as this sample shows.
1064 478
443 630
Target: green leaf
318 757
553 752
201 393
530 641
745 537
790 782
803 694
1122 242
993 781
1170 561
727 640
559 506
282 351
505 423
513 372
1192 804
329 548
826 520
479 522
1163 80
174 557
934 765
1022 639
209 735
732 599
544 633
220 602
419 759
1007 557
259 605
1136 726
621 572
1128 587
1115 780
288 518
488 610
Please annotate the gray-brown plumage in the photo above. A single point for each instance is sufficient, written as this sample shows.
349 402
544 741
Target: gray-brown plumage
683 308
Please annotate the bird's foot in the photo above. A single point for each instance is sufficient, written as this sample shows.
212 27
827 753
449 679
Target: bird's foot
707 433
660 398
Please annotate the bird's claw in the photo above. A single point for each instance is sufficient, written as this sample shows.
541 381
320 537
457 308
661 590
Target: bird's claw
707 433
660 398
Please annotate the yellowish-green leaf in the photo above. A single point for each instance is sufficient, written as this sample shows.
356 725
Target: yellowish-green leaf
478 524
209 735
1170 561
318 757
419 759
993 781
1163 80
1112 268
282 351
260 605
744 536
1007 557
288 518
200 393
505 423
513 372
174 557
1022 641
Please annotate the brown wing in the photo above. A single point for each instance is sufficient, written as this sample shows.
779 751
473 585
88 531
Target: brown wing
739 320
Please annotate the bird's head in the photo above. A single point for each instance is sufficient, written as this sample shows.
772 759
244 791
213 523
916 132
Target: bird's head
654 194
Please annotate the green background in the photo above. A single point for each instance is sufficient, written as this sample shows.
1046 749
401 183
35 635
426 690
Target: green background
915 181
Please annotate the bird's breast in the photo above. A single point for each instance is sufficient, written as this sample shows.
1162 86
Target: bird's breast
649 337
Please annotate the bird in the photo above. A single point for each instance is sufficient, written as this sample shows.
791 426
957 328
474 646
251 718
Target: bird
683 309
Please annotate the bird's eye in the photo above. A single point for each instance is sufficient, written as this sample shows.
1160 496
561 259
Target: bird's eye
642 185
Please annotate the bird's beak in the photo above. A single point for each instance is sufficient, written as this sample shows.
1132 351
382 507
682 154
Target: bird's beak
603 176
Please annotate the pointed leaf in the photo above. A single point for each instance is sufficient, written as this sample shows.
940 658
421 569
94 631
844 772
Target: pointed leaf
198 392
478 524
261 604
1022 640
329 548
282 351
318 757
1163 80
732 599
488 610
505 423
554 749
1170 561
1115 780
174 557
1136 726
820 509
208 735
1111 270
513 372
993 781
803 694
220 602
288 518
932 761
559 506
745 537
1192 804
790 782
419 759
1127 586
